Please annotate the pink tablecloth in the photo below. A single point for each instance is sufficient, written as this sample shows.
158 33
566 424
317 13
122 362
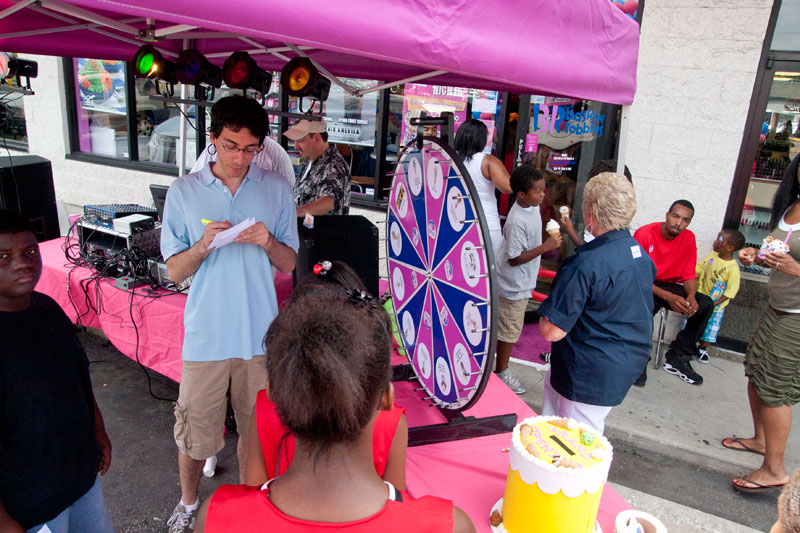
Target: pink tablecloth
159 321
473 472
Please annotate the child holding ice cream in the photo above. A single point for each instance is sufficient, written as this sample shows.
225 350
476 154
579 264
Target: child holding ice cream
518 264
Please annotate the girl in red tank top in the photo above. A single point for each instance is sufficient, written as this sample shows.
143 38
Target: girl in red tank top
328 369
271 444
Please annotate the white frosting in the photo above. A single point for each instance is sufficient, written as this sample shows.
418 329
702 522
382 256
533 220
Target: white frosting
573 482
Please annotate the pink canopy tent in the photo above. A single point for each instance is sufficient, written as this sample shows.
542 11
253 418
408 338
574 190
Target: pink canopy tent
581 48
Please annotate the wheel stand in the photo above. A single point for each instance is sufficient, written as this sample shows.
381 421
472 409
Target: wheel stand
458 426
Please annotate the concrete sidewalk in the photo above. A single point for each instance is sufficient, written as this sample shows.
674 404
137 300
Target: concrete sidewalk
681 421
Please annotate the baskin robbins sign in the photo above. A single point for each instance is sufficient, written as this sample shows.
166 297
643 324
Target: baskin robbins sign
559 123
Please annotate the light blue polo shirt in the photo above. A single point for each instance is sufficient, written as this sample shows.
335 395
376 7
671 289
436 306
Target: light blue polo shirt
232 300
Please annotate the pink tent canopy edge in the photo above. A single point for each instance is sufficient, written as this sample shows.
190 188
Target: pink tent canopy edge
582 48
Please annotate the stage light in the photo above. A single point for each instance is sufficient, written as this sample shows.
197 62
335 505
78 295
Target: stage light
149 63
11 67
301 78
192 68
240 71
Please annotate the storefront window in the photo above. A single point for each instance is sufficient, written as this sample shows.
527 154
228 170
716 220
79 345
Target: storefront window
779 143
102 115
352 122
12 120
564 138
787 32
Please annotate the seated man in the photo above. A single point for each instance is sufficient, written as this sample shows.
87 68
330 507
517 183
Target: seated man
673 249
324 186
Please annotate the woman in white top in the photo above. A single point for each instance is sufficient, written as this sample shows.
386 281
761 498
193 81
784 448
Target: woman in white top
486 171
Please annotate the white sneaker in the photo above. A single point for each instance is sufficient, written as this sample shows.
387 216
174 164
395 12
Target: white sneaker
182 521
512 382
703 356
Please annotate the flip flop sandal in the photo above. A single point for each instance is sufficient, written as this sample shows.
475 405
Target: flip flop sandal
758 487
744 447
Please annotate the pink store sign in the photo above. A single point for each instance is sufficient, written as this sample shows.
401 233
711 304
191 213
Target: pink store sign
433 100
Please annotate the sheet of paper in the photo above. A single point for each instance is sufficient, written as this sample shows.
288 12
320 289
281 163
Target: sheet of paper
226 237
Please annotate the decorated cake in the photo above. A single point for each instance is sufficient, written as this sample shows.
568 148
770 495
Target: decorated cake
557 470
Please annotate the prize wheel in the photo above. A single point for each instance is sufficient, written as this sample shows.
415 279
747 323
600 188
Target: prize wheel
441 274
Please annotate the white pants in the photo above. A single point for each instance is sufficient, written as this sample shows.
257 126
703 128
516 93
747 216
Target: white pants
556 405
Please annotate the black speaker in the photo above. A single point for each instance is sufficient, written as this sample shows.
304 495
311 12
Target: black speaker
352 239
26 187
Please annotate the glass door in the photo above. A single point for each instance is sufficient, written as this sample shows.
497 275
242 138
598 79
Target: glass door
779 142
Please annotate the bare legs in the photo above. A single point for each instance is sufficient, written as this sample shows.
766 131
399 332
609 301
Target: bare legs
503 355
771 432
190 471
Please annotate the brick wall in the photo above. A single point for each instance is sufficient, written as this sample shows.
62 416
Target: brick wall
697 66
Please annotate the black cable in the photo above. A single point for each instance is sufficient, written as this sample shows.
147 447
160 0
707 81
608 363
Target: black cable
13 177
191 124
144 369
120 262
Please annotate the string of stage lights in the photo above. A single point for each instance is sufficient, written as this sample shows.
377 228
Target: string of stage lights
300 77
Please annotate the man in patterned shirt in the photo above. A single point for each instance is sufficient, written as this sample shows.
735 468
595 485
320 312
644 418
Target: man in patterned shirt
324 187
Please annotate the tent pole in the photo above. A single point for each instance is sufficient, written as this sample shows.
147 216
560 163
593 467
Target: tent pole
622 144
324 71
362 92
16 7
181 150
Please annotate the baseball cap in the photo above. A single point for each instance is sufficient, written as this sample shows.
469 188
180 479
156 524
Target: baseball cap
303 127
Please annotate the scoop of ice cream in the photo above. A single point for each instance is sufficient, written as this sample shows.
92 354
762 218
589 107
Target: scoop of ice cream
552 226
771 244
564 210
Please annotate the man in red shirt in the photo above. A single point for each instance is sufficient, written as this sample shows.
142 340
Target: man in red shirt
673 249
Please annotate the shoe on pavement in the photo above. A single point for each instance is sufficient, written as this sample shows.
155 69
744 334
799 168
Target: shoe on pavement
642 379
512 382
680 367
545 356
182 521
703 357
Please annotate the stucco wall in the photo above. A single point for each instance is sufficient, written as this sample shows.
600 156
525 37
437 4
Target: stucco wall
697 67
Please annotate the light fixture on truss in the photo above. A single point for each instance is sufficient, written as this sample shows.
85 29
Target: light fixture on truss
192 68
149 63
240 71
302 79
14 67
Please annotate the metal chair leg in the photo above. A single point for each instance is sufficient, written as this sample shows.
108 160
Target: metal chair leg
661 327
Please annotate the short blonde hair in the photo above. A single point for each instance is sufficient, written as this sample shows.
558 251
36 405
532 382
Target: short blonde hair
612 200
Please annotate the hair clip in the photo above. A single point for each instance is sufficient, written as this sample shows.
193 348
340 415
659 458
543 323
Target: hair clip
357 296
321 268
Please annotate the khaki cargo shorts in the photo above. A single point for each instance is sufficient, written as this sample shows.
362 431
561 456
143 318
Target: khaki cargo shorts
202 402
510 318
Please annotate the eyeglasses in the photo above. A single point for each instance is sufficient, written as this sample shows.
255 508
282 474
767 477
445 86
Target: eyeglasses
234 149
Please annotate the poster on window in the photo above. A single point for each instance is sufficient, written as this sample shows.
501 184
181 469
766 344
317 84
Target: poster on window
484 108
101 84
433 100
351 119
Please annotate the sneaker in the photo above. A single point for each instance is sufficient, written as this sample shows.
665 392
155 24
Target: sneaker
703 356
545 356
182 520
683 369
512 382
642 379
